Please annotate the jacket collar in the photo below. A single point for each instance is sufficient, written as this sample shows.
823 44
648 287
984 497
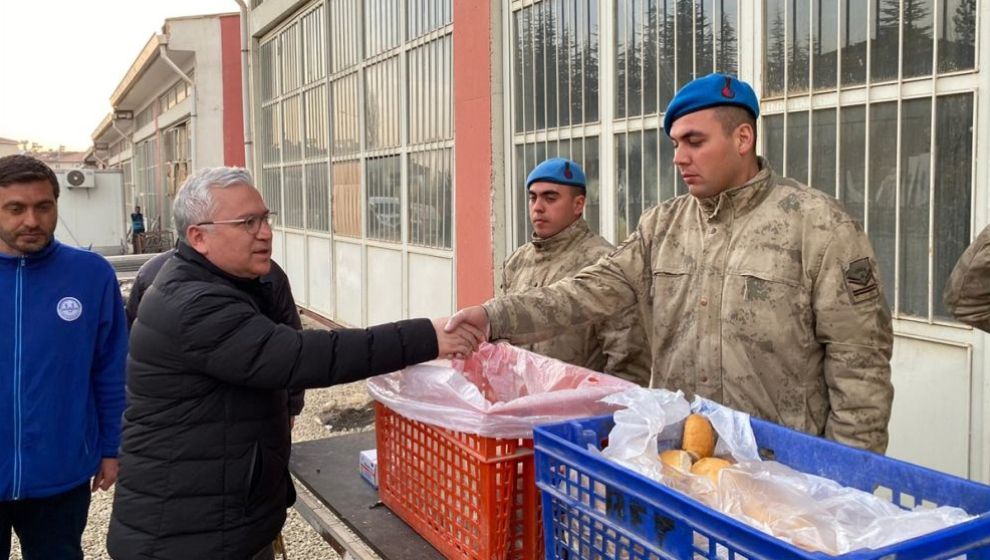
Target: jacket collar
743 198
32 258
189 254
577 230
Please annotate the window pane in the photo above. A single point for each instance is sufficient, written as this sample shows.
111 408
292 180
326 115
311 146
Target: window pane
684 23
665 70
523 165
799 52
424 16
384 204
291 138
883 189
705 41
539 22
776 47
289 57
430 212
271 191
825 29
313 41
271 140
883 50
917 30
956 36
649 30
773 142
623 44
293 189
670 180
852 160
315 108
565 30
590 56
797 146
381 26
853 24
953 185
621 181
916 140
550 39
346 139
317 197
520 40
345 49
267 71
727 57
823 151
382 104
346 203
592 206
429 92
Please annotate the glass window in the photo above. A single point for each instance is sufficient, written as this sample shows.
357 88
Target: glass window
797 146
346 203
381 26
956 35
884 38
773 141
915 158
315 133
384 180
853 28
852 161
423 16
823 152
271 191
916 29
430 212
382 100
799 52
291 137
825 36
727 55
317 197
345 44
704 42
346 116
268 70
314 44
882 193
430 91
292 189
289 58
953 188
775 47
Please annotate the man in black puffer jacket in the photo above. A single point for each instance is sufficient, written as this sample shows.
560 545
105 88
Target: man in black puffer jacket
206 432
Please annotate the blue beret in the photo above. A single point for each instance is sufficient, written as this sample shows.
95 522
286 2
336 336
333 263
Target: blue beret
711 91
557 170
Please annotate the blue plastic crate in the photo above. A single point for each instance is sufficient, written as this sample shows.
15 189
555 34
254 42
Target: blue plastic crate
594 509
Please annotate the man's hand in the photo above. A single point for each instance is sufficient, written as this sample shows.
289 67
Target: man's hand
456 343
107 475
475 317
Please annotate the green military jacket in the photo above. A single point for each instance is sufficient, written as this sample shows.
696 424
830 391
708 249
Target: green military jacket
617 345
967 294
765 297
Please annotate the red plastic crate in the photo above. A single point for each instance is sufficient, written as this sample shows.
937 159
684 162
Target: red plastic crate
471 497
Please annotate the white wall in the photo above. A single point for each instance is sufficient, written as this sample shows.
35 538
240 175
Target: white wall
94 217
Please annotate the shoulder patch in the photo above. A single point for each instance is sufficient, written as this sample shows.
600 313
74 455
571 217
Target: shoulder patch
861 283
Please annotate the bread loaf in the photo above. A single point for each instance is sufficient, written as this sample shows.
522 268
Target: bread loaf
677 459
699 436
710 467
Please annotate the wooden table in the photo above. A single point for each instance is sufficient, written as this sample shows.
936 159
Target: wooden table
344 509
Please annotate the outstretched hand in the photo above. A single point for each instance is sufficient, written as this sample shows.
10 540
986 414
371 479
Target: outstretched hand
475 316
458 342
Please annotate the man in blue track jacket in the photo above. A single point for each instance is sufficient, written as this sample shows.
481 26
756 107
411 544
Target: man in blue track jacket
64 343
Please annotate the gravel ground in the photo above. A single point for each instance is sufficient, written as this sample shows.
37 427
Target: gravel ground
343 407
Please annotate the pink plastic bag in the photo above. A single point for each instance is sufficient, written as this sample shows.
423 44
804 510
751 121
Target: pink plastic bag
500 391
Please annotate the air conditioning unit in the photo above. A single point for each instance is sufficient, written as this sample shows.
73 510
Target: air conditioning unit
77 178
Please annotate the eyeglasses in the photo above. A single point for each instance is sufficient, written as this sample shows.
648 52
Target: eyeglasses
251 223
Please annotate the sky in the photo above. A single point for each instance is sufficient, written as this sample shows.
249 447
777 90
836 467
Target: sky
60 61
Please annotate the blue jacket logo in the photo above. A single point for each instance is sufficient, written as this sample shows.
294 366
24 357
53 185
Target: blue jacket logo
69 308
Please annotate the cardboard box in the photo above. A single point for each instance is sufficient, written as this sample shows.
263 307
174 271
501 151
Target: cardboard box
368 466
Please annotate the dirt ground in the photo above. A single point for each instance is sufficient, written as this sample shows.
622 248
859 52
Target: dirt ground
328 412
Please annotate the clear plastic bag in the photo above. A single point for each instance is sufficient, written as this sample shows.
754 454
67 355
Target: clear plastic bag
500 391
811 512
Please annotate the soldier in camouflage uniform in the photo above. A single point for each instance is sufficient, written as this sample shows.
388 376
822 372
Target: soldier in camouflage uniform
967 294
764 293
562 245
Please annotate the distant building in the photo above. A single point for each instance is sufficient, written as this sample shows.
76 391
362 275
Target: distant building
176 108
9 147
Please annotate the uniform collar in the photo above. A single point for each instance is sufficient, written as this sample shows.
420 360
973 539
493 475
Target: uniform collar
32 258
563 238
745 196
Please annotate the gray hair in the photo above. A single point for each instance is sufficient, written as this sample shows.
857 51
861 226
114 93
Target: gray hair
194 201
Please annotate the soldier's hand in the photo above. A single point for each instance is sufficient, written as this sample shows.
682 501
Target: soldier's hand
475 317
456 343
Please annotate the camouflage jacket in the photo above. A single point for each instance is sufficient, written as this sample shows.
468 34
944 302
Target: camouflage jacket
765 298
967 294
618 345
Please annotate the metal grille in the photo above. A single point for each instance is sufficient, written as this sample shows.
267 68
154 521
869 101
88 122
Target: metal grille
898 156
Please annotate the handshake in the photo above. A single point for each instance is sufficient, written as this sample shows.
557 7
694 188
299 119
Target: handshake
458 336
